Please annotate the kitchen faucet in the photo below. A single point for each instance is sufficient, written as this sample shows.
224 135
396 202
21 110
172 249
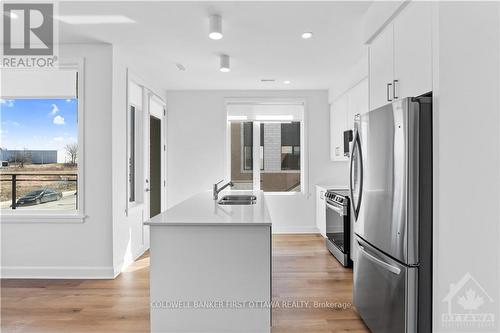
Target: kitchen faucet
217 190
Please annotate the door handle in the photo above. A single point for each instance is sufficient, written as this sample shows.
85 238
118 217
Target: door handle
392 269
394 96
338 210
356 146
389 92
146 189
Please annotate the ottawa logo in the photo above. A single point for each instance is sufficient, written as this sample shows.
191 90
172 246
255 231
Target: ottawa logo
469 305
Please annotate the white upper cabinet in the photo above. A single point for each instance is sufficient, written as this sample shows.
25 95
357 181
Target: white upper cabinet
342 112
358 101
338 124
413 50
401 56
381 68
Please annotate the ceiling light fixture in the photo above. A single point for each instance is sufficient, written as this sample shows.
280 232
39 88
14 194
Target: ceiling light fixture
215 27
94 19
11 14
307 35
286 82
180 67
224 63
267 80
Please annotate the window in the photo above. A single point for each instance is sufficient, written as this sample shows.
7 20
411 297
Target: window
131 158
135 141
278 149
40 149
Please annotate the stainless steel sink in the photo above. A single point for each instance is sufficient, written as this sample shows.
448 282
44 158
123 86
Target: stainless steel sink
238 200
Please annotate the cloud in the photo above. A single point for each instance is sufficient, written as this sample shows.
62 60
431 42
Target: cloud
10 123
68 100
8 102
55 110
58 120
58 139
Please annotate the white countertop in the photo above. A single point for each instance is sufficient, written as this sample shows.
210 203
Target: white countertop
202 209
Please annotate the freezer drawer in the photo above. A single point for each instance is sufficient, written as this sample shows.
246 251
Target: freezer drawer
384 291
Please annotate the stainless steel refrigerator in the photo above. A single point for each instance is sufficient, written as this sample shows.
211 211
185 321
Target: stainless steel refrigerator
391 195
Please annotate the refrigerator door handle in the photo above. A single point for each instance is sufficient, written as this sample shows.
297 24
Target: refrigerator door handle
356 146
387 266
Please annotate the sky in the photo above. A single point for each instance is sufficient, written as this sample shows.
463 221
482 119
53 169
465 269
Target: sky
47 124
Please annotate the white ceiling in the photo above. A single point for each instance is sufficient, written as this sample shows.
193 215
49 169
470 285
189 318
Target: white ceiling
262 38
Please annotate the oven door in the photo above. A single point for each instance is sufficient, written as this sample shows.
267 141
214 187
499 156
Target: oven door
336 216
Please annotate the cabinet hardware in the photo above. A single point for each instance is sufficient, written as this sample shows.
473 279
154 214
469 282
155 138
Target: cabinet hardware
394 95
389 92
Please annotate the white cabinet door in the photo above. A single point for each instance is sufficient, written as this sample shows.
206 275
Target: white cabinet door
338 124
358 102
321 211
413 50
381 71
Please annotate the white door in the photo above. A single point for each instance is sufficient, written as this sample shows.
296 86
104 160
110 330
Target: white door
155 159
413 50
382 68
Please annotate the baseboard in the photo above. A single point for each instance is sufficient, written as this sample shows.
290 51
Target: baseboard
56 272
123 265
295 230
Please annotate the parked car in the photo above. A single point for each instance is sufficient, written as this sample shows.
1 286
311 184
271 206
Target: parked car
39 196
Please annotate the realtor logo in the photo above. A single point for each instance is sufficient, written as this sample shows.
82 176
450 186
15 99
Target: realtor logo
29 35
469 305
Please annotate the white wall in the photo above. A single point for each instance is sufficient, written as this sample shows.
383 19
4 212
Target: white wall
351 76
130 237
197 151
61 249
467 161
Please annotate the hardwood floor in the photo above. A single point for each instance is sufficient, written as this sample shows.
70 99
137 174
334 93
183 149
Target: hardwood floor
303 271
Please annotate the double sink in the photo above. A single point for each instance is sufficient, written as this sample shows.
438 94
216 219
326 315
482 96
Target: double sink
238 200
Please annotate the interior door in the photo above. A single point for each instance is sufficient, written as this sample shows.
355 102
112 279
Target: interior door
155 174
156 156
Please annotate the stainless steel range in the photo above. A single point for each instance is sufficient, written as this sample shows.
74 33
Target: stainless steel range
338 225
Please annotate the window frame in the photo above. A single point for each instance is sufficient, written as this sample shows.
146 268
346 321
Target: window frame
304 165
139 167
37 216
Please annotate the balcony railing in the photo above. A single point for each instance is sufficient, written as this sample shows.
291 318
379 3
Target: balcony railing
33 181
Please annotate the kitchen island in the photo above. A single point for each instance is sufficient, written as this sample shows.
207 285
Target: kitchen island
211 266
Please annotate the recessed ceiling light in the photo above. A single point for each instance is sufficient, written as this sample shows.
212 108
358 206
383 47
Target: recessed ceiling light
286 82
224 63
215 27
12 14
307 35
94 19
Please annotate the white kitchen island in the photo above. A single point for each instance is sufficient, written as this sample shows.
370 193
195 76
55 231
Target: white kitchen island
211 266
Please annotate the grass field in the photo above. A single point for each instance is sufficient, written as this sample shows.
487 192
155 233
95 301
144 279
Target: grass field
47 176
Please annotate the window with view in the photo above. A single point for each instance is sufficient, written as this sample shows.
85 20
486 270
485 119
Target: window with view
39 151
278 146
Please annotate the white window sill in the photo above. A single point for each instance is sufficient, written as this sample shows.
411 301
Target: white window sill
42 218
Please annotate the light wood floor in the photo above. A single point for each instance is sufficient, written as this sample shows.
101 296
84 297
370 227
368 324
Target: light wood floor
303 270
